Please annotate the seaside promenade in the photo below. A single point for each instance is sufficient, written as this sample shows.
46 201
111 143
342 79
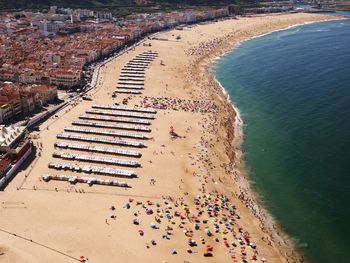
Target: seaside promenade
185 199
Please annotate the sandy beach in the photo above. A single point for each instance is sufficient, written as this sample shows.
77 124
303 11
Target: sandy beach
190 201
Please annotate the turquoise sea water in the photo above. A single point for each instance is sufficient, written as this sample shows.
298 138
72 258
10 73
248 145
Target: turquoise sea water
292 88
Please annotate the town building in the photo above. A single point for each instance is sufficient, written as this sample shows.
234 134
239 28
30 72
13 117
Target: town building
19 99
46 94
53 48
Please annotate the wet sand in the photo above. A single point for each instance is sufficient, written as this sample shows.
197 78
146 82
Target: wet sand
195 178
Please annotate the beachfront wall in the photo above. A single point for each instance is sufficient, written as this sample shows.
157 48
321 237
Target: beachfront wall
12 169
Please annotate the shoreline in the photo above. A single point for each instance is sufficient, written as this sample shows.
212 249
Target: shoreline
257 201
286 243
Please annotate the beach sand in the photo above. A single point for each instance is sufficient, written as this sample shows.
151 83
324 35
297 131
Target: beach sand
58 222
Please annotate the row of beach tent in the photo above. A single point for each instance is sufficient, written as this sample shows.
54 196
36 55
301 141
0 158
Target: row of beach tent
130 81
112 126
93 169
132 73
83 179
96 159
127 91
131 76
114 119
123 108
107 132
98 149
100 140
121 114
131 88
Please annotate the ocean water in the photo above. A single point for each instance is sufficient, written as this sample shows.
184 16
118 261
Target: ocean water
292 88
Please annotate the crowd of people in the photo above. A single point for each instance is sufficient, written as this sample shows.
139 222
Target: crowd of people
206 222
167 103
206 47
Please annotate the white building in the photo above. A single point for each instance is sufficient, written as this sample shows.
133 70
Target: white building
50 26
104 15
10 136
66 78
